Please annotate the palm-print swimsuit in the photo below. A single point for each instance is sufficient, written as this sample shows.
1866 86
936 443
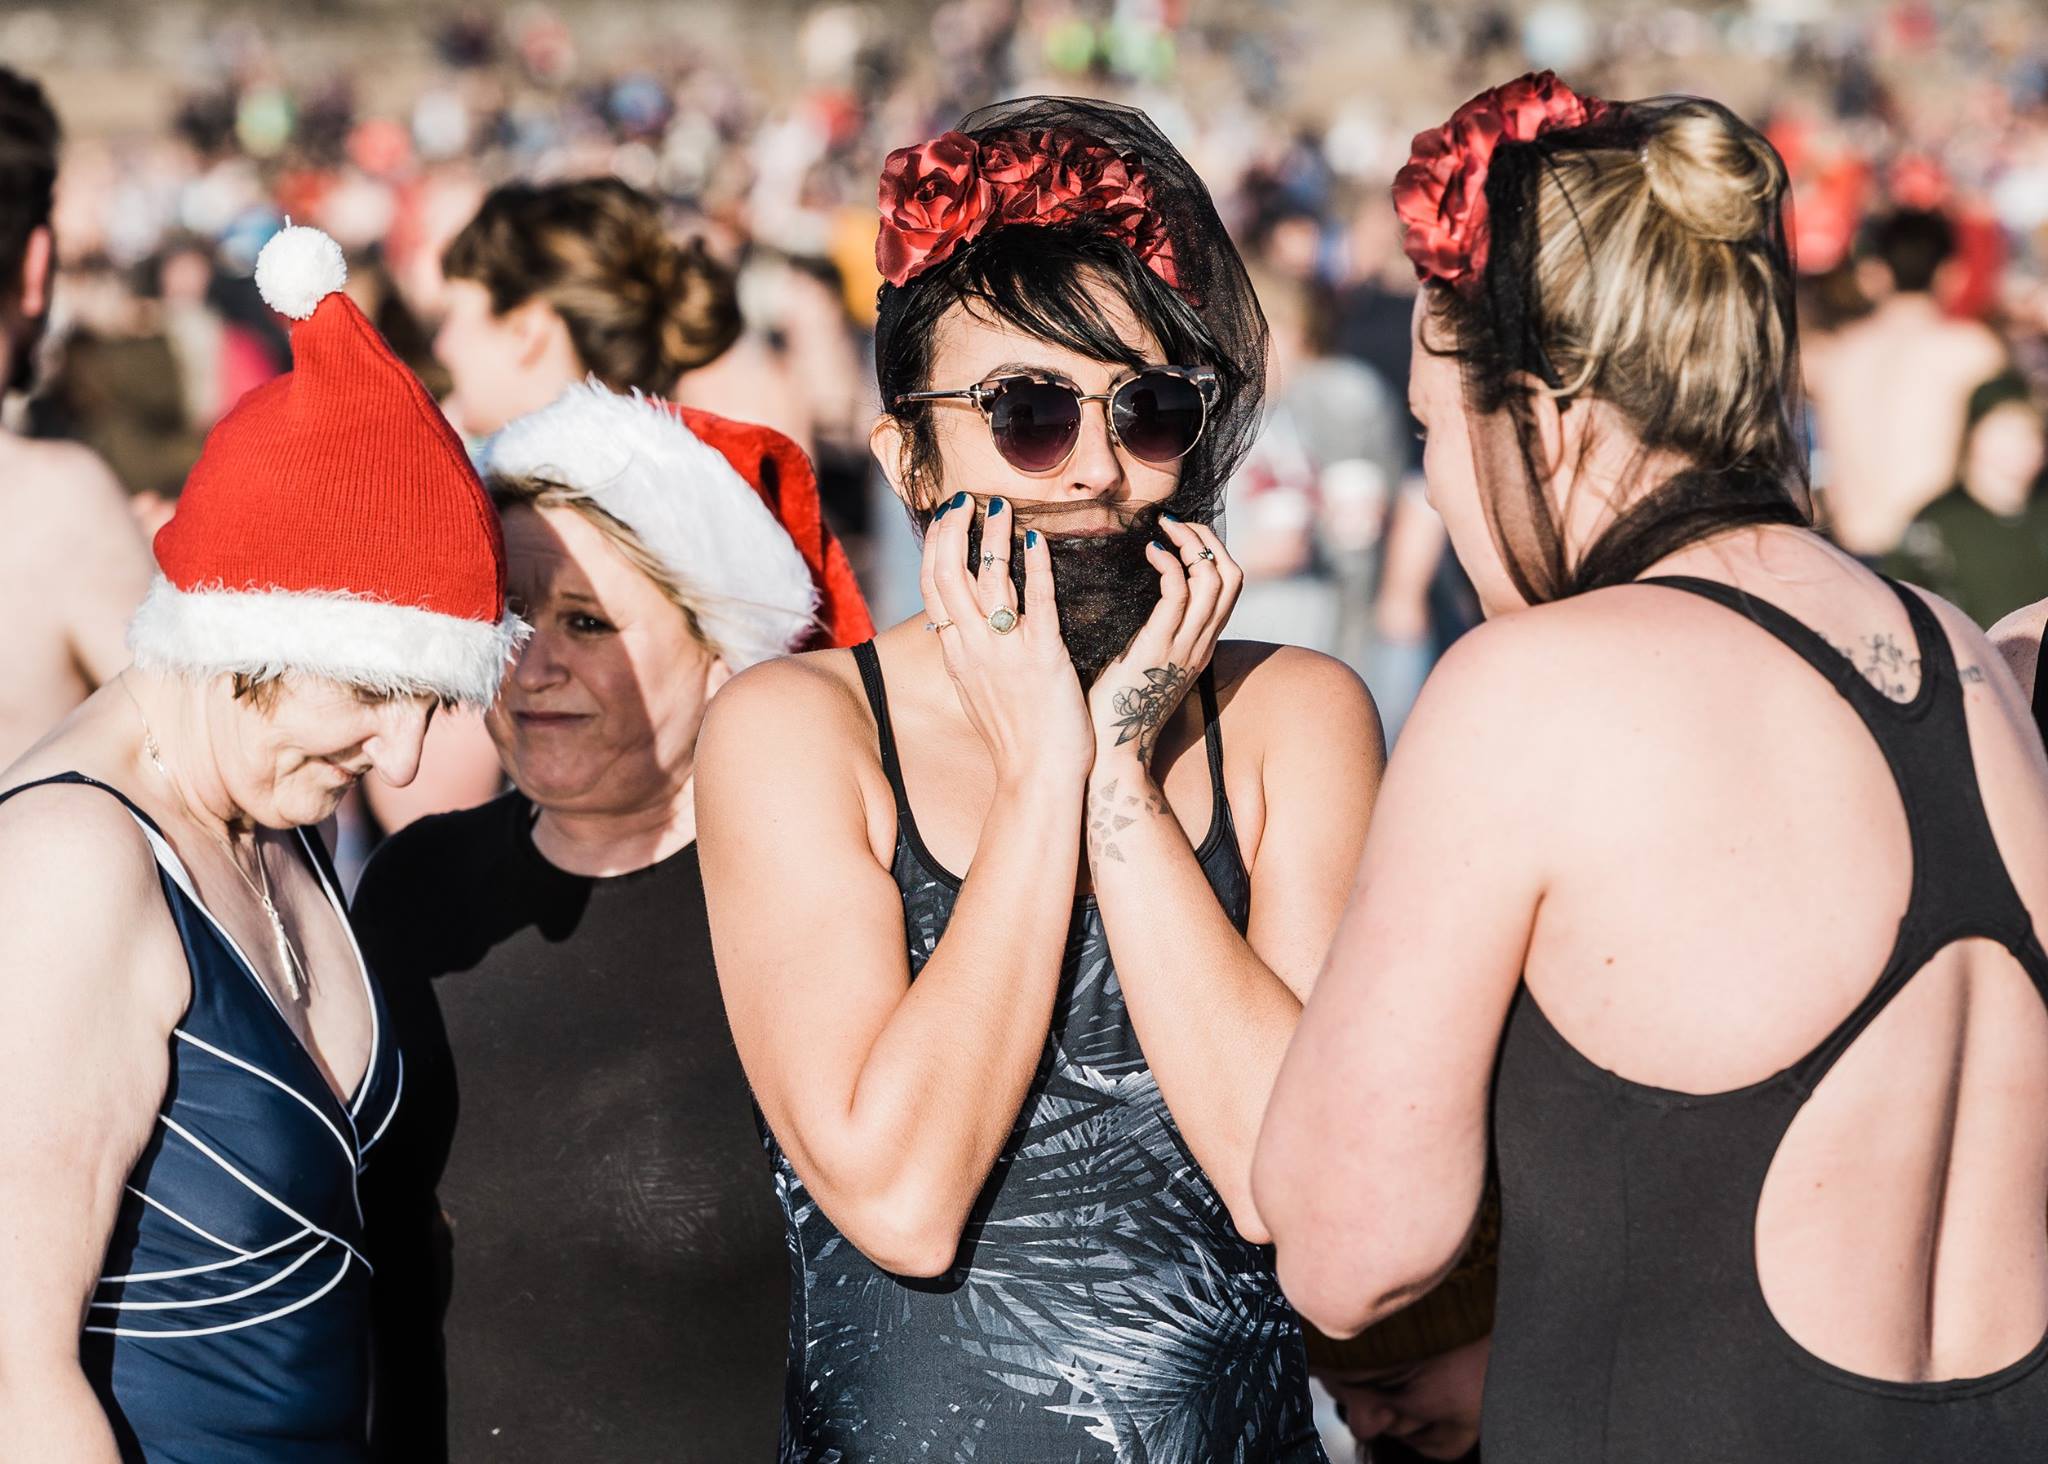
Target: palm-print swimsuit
1102 1307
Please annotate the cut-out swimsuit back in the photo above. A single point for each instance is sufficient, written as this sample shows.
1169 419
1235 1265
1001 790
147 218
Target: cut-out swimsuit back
1632 1325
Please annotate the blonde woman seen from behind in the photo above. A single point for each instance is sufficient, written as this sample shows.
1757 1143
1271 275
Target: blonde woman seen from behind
1704 886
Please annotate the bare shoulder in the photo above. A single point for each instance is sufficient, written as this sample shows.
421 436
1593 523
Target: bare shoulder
795 731
814 698
81 904
2017 639
62 495
1978 345
56 476
1563 670
72 843
1260 677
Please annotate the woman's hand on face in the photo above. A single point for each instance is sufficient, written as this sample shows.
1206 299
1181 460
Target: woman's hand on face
1018 687
1138 693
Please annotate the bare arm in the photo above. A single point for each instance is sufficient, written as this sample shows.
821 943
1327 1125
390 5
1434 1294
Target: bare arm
82 1070
1371 1162
893 1098
2018 642
106 564
1213 1009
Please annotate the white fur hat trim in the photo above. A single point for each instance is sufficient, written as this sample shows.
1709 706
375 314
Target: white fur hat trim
636 460
387 649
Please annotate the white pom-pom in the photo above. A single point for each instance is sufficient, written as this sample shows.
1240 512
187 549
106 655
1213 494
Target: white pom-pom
298 269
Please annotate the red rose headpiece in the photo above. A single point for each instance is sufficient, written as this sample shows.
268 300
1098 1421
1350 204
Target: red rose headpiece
1102 172
1441 193
940 194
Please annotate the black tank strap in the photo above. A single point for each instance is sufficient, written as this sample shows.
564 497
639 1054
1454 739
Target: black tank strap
885 734
2041 686
1960 886
870 664
1212 738
81 780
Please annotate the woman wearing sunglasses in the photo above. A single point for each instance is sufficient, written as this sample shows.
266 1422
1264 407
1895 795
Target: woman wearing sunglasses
1014 906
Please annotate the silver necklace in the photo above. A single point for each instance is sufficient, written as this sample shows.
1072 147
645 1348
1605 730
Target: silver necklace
287 955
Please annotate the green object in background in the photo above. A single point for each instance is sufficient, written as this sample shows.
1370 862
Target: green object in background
263 122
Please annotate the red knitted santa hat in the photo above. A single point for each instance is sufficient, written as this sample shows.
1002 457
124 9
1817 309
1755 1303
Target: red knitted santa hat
333 525
729 507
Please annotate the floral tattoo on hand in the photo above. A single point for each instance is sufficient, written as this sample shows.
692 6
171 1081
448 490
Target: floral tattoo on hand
1142 710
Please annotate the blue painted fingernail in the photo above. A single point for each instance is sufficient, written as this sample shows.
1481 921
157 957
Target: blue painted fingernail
1160 545
1172 518
1031 538
995 506
959 501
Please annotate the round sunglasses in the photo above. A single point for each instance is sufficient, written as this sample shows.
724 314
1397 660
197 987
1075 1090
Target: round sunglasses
1157 416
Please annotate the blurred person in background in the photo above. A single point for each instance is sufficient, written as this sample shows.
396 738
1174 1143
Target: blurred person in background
196 1064
1984 544
73 562
554 282
579 1254
1305 509
1010 1109
1721 943
1890 389
549 284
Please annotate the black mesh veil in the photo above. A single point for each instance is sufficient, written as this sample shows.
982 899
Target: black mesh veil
1212 319
1503 340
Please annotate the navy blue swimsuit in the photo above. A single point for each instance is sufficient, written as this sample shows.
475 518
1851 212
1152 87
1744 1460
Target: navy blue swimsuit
230 1323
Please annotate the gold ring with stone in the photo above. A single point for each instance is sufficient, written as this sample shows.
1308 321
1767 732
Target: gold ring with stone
1002 620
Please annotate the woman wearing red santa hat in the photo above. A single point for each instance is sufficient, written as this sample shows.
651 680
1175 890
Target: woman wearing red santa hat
603 1205
195 1063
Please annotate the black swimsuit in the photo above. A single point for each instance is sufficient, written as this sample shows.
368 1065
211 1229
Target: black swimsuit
1102 1306
1631 1323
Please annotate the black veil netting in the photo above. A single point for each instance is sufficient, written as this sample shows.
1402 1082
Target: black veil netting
1214 309
1500 332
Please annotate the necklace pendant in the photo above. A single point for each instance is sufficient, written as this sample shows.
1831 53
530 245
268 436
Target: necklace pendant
287 958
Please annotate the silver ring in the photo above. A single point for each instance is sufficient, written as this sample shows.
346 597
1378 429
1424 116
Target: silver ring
987 561
939 625
1206 554
1002 620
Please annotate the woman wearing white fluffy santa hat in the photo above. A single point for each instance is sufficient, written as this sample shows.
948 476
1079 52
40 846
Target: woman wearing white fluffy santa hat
195 1063
548 952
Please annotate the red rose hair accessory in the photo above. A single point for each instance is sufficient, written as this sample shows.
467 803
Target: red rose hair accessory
938 195
1441 193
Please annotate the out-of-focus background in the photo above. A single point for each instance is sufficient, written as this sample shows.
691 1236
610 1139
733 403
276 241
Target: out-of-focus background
193 129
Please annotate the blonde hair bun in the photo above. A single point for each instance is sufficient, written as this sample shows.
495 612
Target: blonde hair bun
1705 168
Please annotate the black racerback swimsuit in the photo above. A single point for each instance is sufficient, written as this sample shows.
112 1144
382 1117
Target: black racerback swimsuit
1631 1323
2041 687
1102 1307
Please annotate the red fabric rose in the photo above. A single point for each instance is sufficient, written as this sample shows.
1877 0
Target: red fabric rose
936 197
1441 193
933 199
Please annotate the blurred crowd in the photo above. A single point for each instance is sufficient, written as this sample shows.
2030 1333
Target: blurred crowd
1917 134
